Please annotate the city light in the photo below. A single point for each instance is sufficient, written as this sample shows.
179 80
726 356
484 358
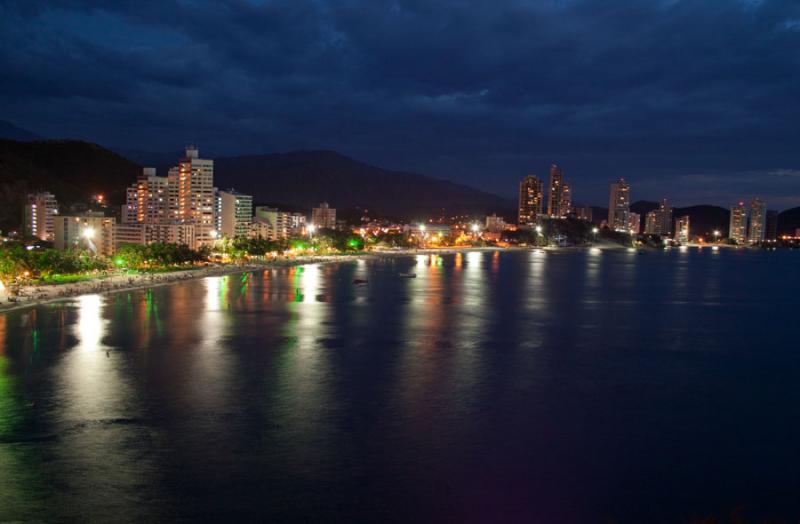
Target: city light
214 234
88 232
595 230
311 229
539 230
475 228
422 227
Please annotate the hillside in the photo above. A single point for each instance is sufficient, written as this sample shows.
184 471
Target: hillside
71 169
305 178
74 170
703 219
789 221
9 131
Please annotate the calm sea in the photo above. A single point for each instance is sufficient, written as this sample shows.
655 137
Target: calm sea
495 386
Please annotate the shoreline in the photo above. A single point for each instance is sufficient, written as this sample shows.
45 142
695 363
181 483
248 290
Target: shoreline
38 294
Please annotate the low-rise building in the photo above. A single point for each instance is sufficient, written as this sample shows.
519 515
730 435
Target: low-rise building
93 232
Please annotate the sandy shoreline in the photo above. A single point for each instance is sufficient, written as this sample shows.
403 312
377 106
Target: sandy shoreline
34 295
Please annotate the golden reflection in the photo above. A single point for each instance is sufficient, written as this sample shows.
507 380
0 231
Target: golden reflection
535 296
302 366
91 326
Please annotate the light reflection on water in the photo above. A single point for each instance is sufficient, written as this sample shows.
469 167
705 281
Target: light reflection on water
532 385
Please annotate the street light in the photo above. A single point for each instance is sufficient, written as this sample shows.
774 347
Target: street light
213 234
539 230
311 229
88 232
475 228
595 230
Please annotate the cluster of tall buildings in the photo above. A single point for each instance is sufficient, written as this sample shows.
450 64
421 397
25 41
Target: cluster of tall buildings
532 198
183 207
748 222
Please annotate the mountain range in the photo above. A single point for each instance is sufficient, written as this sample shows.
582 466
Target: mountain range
73 170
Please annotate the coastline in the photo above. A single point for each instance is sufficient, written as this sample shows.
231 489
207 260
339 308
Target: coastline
38 294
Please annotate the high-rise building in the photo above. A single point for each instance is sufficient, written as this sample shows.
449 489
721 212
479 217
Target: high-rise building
92 232
758 221
531 200
659 221
323 216
619 203
651 223
634 223
772 226
236 213
682 229
40 210
664 218
192 193
738 225
559 204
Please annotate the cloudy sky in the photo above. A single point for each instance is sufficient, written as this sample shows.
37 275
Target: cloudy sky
694 100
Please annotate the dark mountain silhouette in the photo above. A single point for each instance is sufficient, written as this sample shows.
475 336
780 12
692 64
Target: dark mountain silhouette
789 221
305 178
9 131
74 170
703 219
71 169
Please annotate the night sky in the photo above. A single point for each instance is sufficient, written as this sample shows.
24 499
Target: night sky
694 100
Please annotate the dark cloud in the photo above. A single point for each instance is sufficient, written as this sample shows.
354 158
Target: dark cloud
659 91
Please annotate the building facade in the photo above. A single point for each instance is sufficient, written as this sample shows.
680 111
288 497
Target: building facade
756 231
323 216
682 229
634 223
236 213
619 204
94 233
495 224
559 203
738 225
40 212
531 200
192 193
271 223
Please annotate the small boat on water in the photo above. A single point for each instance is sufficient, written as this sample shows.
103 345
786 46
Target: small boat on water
358 281
407 275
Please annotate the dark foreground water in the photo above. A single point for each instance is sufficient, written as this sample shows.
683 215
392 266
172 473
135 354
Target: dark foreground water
574 387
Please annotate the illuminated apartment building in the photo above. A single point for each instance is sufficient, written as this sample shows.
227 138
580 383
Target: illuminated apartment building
531 200
738 225
40 210
619 203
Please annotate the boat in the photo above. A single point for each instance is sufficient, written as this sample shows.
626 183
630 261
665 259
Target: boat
407 275
360 281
